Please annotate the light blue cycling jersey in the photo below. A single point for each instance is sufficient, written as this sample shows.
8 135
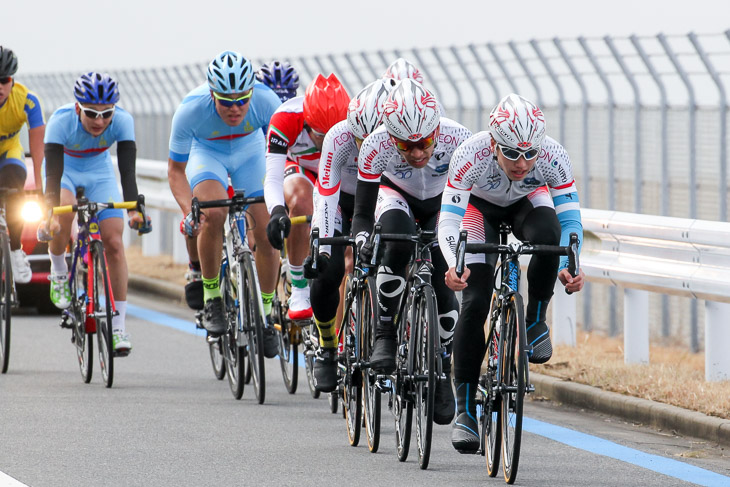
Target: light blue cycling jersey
86 159
214 150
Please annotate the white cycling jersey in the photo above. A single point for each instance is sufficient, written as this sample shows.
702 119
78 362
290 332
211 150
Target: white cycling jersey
379 156
474 171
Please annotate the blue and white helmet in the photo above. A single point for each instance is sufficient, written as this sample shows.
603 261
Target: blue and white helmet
229 72
96 88
365 111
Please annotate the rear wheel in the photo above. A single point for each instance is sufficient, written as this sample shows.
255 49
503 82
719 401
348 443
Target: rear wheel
352 379
309 349
102 300
6 301
216 358
514 367
371 395
491 425
403 389
250 314
77 313
288 352
423 345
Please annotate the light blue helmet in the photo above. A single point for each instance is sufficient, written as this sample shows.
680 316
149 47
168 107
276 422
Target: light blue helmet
229 72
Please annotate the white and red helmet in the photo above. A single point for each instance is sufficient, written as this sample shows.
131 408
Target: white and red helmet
411 112
402 69
517 123
365 112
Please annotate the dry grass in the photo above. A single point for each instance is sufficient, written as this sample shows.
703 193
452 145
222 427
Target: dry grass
674 376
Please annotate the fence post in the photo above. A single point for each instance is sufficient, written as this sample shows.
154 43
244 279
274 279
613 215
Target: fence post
452 82
561 95
717 338
472 83
503 67
636 326
530 76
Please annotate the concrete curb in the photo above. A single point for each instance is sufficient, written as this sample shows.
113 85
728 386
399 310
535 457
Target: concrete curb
634 409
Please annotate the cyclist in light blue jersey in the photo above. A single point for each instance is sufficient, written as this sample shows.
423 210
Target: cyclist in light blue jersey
77 141
216 135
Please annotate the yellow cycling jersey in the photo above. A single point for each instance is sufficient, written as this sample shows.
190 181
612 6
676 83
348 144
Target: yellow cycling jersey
21 106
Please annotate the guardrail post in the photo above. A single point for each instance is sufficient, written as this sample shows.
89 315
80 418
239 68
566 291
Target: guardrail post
717 338
152 242
636 326
564 316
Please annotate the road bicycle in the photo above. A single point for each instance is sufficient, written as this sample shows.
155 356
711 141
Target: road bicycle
242 345
8 295
412 387
92 301
502 388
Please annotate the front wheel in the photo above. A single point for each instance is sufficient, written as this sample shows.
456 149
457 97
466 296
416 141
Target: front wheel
6 302
423 345
234 356
288 353
82 340
216 358
514 369
251 320
369 317
102 312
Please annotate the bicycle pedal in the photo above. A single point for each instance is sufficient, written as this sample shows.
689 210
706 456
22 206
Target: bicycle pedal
66 322
211 339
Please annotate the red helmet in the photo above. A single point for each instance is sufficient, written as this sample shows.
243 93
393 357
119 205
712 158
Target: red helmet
325 103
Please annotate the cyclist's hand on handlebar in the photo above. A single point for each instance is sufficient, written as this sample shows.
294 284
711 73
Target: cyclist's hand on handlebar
137 223
278 228
454 282
572 284
47 229
323 261
188 227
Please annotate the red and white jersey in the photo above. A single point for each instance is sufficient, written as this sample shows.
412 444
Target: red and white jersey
379 156
287 140
337 173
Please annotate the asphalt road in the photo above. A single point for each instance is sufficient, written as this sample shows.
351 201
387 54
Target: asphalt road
168 422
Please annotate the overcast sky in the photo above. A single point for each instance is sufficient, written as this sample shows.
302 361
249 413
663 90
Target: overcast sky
81 35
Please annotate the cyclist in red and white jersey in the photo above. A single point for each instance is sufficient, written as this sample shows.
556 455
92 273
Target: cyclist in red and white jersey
402 69
402 173
515 174
295 137
333 207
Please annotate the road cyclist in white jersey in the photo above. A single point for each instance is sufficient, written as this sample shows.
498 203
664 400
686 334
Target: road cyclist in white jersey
334 199
515 174
402 171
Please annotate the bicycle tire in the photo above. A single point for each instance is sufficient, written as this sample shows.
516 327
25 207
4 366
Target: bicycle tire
103 312
369 318
234 355
423 344
308 352
491 416
216 358
6 301
250 312
351 380
83 341
403 389
514 363
288 334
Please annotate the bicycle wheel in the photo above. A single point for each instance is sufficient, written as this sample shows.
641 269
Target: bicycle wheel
216 358
309 349
288 348
423 345
369 316
349 368
403 389
6 301
234 355
77 313
490 417
250 314
102 295
513 367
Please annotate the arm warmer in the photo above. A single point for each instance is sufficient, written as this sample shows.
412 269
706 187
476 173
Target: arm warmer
126 159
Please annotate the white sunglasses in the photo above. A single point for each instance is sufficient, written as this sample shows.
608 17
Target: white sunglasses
91 113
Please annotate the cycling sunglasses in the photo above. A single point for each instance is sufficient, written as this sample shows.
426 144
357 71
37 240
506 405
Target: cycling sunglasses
514 154
406 145
229 102
6 80
91 113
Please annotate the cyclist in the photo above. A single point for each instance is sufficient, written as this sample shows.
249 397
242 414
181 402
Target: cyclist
283 79
18 106
76 147
333 206
402 173
512 173
402 69
216 134
295 140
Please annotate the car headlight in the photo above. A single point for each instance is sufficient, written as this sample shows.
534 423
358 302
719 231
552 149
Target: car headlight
31 211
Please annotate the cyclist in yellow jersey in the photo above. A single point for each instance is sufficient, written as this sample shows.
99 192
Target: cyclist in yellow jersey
18 106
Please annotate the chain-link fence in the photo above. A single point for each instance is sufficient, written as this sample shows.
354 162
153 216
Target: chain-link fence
643 118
